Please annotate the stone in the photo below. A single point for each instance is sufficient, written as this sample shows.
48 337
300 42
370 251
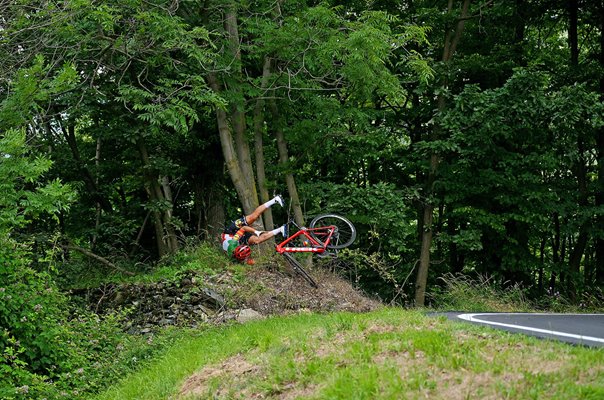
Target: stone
248 314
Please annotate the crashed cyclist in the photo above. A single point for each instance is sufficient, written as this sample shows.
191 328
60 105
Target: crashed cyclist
237 237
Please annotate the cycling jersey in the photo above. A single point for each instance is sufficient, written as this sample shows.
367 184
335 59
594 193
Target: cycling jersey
230 232
235 226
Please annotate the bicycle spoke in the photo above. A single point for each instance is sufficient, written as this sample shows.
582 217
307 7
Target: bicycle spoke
344 235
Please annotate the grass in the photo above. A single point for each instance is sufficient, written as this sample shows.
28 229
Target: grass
479 294
482 294
386 354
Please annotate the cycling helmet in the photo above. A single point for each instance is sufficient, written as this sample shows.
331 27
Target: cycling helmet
242 252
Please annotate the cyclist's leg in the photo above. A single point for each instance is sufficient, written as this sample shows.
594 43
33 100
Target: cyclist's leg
264 236
250 219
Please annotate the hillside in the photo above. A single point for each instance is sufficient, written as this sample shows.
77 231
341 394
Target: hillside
265 334
383 354
198 297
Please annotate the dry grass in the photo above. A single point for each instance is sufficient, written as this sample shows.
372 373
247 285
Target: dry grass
279 291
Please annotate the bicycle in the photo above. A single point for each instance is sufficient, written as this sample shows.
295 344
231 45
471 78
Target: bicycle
325 235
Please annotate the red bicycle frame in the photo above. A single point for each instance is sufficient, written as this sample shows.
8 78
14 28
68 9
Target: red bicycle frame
310 244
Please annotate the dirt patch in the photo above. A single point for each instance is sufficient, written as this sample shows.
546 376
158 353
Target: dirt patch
292 391
233 368
220 381
484 385
524 357
381 329
284 292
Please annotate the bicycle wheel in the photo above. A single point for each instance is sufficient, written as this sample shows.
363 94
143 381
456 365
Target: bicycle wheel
344 235
296 266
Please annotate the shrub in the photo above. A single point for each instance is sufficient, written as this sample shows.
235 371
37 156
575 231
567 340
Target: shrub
47 348
34 339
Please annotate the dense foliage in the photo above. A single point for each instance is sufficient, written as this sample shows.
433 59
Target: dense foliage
45 351
462 137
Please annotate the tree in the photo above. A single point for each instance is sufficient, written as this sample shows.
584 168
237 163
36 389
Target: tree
452 38
139 61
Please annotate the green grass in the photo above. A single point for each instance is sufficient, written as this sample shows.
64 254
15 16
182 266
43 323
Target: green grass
387 354
479 294
482 294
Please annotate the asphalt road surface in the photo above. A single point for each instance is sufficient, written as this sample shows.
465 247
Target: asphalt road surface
581 329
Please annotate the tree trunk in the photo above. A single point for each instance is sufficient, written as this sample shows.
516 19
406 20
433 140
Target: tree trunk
161 220
209 195
140 234
541 270
574 262
238 108
168 220
97 222
456 259
519 31
555 253
575 256
259 146
244 193
215 211
283 160
573 40
424 259
232 126
451 41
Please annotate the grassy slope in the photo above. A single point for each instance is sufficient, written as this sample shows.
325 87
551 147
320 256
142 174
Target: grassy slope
386 354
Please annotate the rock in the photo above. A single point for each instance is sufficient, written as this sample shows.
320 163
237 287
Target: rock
248 314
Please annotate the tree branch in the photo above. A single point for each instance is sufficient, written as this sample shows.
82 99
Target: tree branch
96 257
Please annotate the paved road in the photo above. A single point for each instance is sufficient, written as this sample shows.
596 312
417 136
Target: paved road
582 329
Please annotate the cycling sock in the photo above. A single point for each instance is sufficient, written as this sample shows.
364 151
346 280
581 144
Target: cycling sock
276 199
269 203
280 230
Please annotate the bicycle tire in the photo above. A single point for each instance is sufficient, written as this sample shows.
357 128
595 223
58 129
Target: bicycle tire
344 236
297 267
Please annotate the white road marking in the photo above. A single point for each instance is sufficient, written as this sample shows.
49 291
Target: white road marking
472 318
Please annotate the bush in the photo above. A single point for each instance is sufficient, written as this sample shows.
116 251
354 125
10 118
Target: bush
36 341
48 349
41 349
